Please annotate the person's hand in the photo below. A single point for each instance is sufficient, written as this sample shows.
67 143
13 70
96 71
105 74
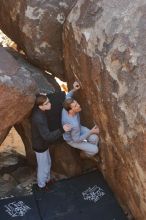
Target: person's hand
95 130
67 127
76 85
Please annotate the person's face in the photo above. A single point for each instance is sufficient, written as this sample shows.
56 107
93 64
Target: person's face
75 107
46 105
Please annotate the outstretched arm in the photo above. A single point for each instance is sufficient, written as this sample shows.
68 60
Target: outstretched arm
45 133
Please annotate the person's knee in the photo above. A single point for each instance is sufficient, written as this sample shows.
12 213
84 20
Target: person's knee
94 139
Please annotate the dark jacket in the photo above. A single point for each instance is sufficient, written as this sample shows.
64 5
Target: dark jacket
41 135
54 114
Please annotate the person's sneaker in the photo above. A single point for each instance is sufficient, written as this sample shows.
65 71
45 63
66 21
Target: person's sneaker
43 189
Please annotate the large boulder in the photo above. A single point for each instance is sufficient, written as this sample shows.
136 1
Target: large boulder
17 90
105 50
36 26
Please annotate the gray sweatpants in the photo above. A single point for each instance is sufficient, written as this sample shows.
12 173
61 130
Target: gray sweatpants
43 169
89 146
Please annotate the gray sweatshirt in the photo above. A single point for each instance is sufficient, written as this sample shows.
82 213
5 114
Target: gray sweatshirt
75 134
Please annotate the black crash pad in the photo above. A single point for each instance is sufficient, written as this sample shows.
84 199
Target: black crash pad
86 197
19 208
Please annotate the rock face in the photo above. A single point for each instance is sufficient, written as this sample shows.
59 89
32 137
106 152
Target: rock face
24 130
66 160
17 90
105 50
36 26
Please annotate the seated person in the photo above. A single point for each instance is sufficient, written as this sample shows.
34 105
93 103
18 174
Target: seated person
79 136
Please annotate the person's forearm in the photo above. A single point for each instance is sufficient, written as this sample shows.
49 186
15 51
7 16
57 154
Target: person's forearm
52 136
76 137
46 134
70 94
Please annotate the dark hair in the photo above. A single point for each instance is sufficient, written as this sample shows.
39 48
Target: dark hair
67 104
40 99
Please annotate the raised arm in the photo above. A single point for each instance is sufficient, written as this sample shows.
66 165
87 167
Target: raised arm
76 87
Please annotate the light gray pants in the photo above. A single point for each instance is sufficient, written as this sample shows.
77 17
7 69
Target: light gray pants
89 146
43 169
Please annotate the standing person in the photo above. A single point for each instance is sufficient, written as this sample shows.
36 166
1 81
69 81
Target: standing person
79 136
42 137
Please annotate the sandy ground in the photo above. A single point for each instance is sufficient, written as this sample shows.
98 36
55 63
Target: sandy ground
13 142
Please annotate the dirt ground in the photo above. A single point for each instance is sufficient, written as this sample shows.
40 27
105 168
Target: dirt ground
13 142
